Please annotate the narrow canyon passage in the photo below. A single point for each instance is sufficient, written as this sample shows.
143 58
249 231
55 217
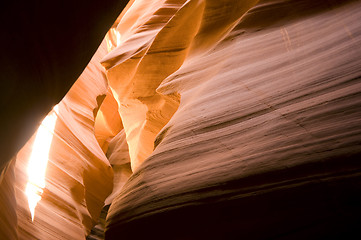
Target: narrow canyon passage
199 119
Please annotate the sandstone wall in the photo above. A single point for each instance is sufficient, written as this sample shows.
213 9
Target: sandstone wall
265 141
204 119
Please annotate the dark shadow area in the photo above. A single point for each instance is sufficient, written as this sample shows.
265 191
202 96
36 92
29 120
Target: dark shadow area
45 47
302 206
97 231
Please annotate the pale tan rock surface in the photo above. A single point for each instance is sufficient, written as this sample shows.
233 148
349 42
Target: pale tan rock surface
266 140
118 155
211 120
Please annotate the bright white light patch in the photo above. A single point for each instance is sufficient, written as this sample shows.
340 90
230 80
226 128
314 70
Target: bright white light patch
113 39
39 159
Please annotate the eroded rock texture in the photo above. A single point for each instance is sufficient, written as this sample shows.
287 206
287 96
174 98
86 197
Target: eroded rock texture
266 140
205 119
46 46
78 176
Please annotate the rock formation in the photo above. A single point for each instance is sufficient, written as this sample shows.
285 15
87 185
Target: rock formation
263 143
46 46
205 119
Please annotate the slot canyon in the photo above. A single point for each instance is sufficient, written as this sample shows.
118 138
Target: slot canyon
180 119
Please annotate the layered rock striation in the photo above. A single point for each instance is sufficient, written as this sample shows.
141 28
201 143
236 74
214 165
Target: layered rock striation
205 119
266 139
78 176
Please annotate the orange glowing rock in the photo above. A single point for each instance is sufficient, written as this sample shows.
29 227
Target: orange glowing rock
68 176
203 119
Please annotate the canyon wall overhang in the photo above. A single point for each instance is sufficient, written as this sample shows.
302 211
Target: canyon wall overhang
46 46
265 142
208 119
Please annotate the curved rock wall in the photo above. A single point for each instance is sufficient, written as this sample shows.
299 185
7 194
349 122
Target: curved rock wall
46 46
266 140
78 175
222 120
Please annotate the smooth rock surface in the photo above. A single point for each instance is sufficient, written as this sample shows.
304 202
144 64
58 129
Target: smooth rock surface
266 140
78 175
195 119
45 48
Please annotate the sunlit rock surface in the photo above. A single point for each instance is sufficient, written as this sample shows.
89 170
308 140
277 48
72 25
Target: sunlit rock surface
266 140
203 119
44 52
108 122
45 47
78 174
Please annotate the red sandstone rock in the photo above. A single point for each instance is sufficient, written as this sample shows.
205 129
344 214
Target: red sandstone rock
222 120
